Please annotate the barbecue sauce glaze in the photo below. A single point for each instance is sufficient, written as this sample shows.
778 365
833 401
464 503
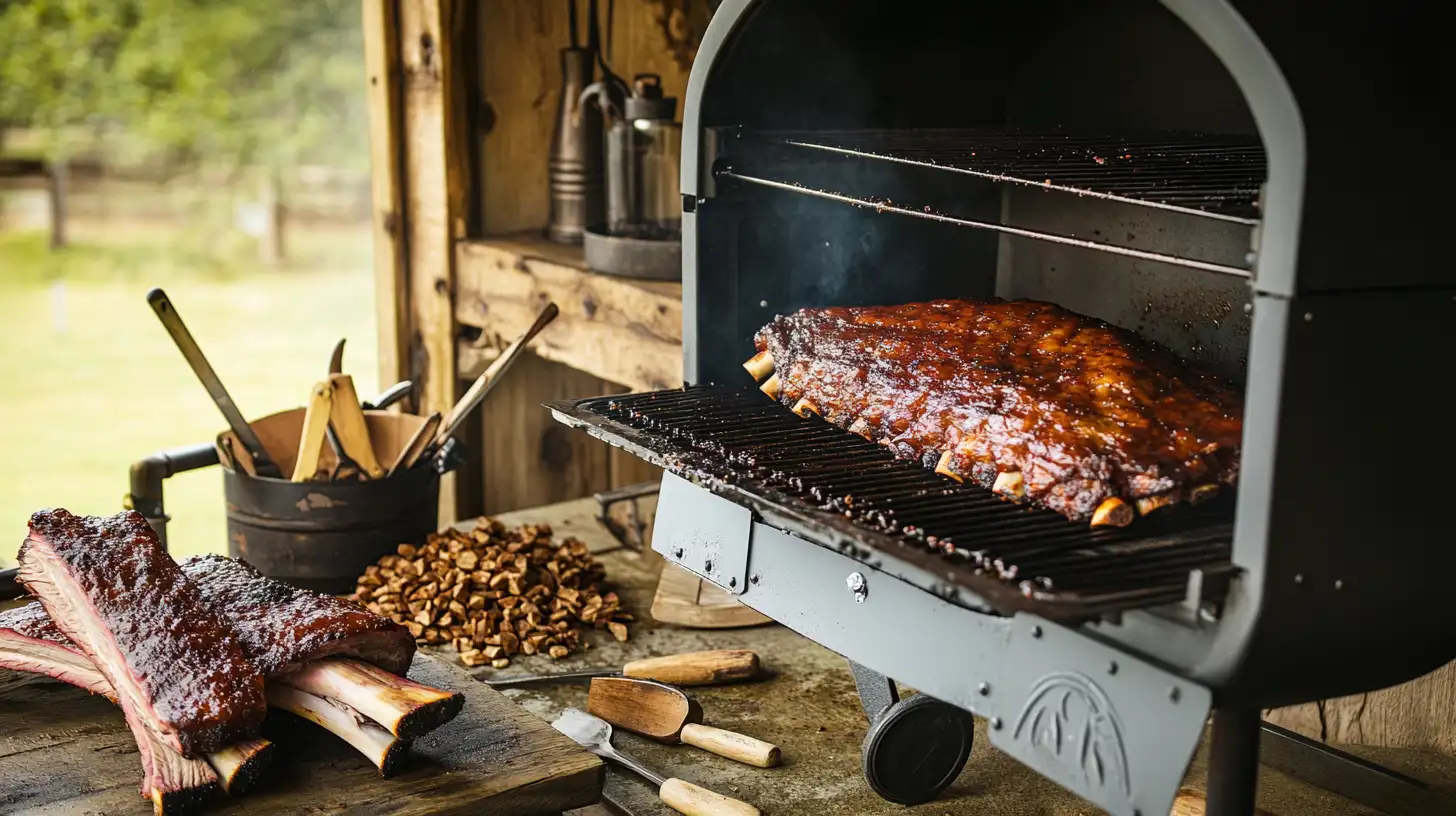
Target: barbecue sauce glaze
1083 409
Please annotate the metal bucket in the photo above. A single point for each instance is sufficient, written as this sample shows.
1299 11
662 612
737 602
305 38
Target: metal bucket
318 535
321 535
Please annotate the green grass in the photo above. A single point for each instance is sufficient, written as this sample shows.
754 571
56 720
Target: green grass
83 397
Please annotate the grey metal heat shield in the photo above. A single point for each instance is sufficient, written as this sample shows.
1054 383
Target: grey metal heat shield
1102 723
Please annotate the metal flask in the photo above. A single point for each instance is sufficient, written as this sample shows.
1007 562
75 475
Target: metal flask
575 164
641 236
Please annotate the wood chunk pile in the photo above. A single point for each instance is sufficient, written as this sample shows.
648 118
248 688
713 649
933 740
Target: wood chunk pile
494 593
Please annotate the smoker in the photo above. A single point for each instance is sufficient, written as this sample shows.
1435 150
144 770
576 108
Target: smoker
1250 184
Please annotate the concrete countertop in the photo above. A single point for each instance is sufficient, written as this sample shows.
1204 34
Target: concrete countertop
809 707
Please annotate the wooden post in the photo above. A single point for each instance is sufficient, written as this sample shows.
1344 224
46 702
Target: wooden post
381 57
58 176
431 159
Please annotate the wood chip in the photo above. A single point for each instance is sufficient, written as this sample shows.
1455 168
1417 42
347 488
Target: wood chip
494 592
500 663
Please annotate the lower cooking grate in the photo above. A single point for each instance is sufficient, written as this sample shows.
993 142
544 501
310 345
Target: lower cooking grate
1015 557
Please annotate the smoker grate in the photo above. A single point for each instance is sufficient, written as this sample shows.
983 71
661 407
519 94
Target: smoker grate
738 441
1213 176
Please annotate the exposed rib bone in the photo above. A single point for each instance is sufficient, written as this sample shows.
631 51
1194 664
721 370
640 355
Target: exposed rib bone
377 745
943 467
403 707
1010 484
804 407
1112 512
771 386
760 365
239 766
1202 493
1148 504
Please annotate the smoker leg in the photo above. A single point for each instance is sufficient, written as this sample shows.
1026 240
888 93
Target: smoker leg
915 748
1233 762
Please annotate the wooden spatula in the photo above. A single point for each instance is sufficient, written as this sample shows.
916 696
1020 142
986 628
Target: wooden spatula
347 420
664 713
311 439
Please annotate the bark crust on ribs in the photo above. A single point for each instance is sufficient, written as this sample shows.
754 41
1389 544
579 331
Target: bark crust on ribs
30 642
1083 410
178 672
306 640
282 627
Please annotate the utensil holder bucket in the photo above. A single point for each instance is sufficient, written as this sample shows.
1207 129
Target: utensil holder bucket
318 535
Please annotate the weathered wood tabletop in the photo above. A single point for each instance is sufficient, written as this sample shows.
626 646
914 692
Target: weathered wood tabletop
809 708
65 751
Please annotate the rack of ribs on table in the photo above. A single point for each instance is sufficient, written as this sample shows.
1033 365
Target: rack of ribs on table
1037 403
327 659
178 673
30 642
185 650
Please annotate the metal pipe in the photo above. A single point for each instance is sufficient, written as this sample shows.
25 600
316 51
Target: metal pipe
9 587
147 476
1233 762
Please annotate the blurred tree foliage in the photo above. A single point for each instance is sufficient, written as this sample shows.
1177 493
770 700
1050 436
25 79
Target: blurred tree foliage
275 83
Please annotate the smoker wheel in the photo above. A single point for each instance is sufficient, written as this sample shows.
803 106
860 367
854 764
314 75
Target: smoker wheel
916 748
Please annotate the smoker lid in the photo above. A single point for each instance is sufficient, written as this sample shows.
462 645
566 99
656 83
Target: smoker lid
647 101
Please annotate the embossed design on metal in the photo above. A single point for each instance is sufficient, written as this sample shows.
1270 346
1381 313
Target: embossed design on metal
1068 720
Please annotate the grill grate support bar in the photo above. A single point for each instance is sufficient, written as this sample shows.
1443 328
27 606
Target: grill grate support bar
1006 229
1209 176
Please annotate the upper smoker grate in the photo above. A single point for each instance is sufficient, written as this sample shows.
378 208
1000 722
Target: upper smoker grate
1017 558
1213 176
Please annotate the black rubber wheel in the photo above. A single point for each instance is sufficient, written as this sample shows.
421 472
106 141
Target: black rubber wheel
916 749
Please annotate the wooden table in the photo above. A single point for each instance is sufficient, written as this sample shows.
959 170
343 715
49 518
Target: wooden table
810 709
63 751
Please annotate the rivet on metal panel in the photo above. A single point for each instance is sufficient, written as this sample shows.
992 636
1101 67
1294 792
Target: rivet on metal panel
1298 577
996 723
856 584
1248 308
1036 631
1174 694
1112 667
984 689
763 304
1309 317
1339 584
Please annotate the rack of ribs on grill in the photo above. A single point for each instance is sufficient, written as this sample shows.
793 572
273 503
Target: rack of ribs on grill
328 660
1035 402
178 673
30 642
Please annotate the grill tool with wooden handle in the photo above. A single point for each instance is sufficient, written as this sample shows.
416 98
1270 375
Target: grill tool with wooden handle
478 389
595 735
688 669
664 713
263 464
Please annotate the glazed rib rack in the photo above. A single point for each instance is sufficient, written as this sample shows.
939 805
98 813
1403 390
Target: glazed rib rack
840 487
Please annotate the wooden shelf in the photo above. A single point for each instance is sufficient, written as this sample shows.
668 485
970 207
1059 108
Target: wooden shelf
621 330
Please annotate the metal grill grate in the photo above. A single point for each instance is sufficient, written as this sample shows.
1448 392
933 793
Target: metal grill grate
1214 176
1016 558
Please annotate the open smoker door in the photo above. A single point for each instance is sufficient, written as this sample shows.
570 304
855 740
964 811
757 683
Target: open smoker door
1065 705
